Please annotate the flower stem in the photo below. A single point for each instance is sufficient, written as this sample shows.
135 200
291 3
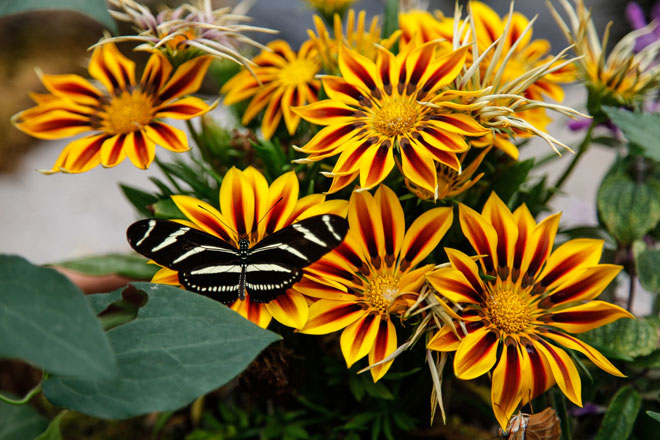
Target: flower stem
582 148
33 392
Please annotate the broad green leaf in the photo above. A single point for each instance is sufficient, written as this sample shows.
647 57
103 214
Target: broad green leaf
624 339
45 320
141 200
53 431
641 129
130 266
20 422
180 346
167 209
100 301
391 23
629 209
620 415
654 415
648 263
96 9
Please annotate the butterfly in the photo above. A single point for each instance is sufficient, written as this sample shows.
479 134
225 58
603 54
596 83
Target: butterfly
212 267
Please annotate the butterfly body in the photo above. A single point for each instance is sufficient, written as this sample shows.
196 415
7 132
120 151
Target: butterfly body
215 268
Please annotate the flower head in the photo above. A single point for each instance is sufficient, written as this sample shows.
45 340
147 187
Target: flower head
372 276
188 31
375 109
282 79
532 298
252 209
125 119
357 37
624 77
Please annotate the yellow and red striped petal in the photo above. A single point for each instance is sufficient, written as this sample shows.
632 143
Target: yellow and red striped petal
352 155
477 354
453 285
156 72
167 136
594 355
52 123
282 199
444 157
113 151
564 263
166 276
468 268
184 108
331 138
272 115
304 204
252 311
412 281
260 100
204 216
326 316
457 123
326 289
507 385
540 245
140 149
587 285
327 112
358 339
538 375
377 163
499 216
393 221
291 98
341 182
418 166
442 140
384 345
186 79
424 235
237 201
444 340
73 87
365 222
481 235
443 71
111 68
83 154
289 309
359 70
259 186
339 90
585 317
563 370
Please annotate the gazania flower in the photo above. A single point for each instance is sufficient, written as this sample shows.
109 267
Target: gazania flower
282 79
624 77
450 182
357 37
124 120
372 277
252 209
374 110
514 321
419 27
188 31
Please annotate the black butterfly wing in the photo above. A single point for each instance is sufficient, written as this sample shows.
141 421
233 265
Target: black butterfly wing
206 264
276 262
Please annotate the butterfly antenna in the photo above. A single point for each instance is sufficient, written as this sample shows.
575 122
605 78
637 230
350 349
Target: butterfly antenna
269 209
219 219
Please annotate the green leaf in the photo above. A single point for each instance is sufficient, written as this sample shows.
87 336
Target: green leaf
654 415
180 346
629 209
96 9
624 339
139 199
378 389
45 320
167 209
130 266
641 129
647 268
514 176
53 431
391 23
620 415
100 301
20 422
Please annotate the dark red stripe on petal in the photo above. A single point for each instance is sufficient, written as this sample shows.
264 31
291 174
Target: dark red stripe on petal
539 374
88 153
141 148
569 292
339 312
58 124
77 89
329 112
578 317
360 72
167 134
563 268
363 330
420 66
472 279
460 288
174 88
274 216
380 345
181 109
347 253
378 164
367 227
348 89
113 157
479 350
357 154
512 375
540 254
480 243
239 213
417 163
452 144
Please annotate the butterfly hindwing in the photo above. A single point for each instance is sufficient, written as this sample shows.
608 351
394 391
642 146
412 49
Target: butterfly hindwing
223 282
267 281
177 246
300 244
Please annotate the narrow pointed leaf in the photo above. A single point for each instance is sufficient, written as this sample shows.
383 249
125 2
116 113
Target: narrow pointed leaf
620 415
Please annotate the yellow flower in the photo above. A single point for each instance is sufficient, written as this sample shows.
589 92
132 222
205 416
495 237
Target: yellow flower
372 277
124 119
419 27
623 77
187 31
533 298
374 110
250 208
282 79
357 37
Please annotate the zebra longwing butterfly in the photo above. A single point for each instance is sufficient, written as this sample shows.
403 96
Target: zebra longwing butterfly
214 268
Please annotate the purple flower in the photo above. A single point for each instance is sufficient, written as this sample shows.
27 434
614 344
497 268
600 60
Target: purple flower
636 18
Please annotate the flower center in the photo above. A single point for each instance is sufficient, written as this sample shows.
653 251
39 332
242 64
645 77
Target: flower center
298 72
508 311
381 291
395 117
128 112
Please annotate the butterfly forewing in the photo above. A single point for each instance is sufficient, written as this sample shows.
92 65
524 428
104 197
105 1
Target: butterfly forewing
212 267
